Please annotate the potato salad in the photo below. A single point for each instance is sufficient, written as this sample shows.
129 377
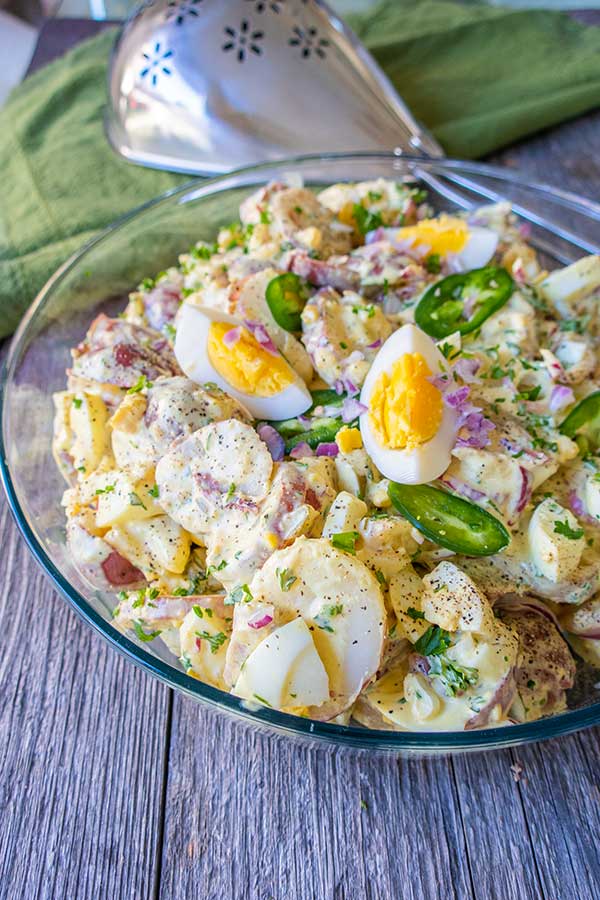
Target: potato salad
345 461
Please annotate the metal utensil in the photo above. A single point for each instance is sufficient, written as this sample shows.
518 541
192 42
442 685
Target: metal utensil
205 86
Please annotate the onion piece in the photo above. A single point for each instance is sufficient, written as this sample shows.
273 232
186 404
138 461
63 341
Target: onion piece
352 409
300 450
231 337
273 440
328 449
258 330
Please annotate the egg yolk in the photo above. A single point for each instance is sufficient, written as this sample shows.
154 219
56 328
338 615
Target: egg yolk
405 409
443 235
246 365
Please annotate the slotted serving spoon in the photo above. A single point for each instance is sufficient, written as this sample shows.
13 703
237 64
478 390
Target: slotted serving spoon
207 86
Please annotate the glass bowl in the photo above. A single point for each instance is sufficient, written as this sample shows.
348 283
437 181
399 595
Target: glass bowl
142 243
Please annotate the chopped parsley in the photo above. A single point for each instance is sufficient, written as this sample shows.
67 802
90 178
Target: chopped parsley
265 217
433 642
144 635
77 401
262 700
230 492
530 393
323 620
204 251
214 640
448 351
414 614
345 540
217 568
370 310
202 611
154 491
573 534
433 263
286 578
240 594
366 221
453 677
141 384
109 489
380 577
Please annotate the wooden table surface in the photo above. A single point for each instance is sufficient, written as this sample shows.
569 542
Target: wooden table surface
111 786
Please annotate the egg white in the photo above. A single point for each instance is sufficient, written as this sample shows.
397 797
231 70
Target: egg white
428 461
478 250
191 352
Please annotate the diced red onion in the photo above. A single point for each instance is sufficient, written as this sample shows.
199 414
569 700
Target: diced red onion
260 619
469 417
525 495
231 337
375 345
560 397
331 411
262 336
467 368
328 449
352 409
440 381
456 398
459 487
300 450
576 504
345 386
273 440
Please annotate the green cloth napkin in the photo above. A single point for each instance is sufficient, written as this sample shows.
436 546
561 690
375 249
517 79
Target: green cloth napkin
478 76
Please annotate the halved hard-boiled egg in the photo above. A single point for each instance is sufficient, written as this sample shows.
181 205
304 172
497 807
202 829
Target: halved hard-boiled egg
240 358
460 245
407 430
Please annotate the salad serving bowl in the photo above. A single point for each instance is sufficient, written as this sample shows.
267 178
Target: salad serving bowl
98 278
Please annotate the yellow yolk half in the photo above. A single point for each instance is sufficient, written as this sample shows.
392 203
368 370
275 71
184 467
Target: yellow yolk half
443 235
405 409
246 365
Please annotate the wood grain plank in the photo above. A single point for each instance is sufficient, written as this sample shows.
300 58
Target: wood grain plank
560 790
250 816
82 736
501 858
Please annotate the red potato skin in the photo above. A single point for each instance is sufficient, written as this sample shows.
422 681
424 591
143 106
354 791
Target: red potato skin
120 572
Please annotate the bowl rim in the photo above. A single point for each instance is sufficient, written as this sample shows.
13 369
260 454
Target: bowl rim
274 720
